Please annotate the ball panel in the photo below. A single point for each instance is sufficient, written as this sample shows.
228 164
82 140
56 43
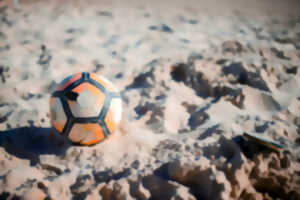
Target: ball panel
116 108
95 138
68 81
104 82
58 116
111 125
86 134
89 102
113 116
79 88
77 133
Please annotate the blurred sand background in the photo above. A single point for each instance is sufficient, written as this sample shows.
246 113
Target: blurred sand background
194 76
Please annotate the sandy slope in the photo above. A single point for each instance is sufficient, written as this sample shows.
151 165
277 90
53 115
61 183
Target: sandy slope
194 77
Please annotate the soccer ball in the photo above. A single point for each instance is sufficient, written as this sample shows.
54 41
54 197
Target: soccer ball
85 108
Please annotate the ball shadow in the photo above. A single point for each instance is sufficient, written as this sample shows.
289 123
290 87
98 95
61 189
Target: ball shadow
31 142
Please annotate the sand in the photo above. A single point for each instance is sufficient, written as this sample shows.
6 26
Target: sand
194 77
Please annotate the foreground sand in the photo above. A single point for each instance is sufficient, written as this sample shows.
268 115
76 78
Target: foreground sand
194 77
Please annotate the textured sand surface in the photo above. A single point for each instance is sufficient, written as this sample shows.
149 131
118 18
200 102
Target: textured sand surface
194 76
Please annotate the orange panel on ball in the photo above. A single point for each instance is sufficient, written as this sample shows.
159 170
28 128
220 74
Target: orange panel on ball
99 136
86 134
68 81
94 89
104 82
111 125
58 126
113 115
80 88
58 117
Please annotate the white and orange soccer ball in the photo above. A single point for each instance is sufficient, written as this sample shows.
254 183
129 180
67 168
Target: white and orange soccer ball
86 108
